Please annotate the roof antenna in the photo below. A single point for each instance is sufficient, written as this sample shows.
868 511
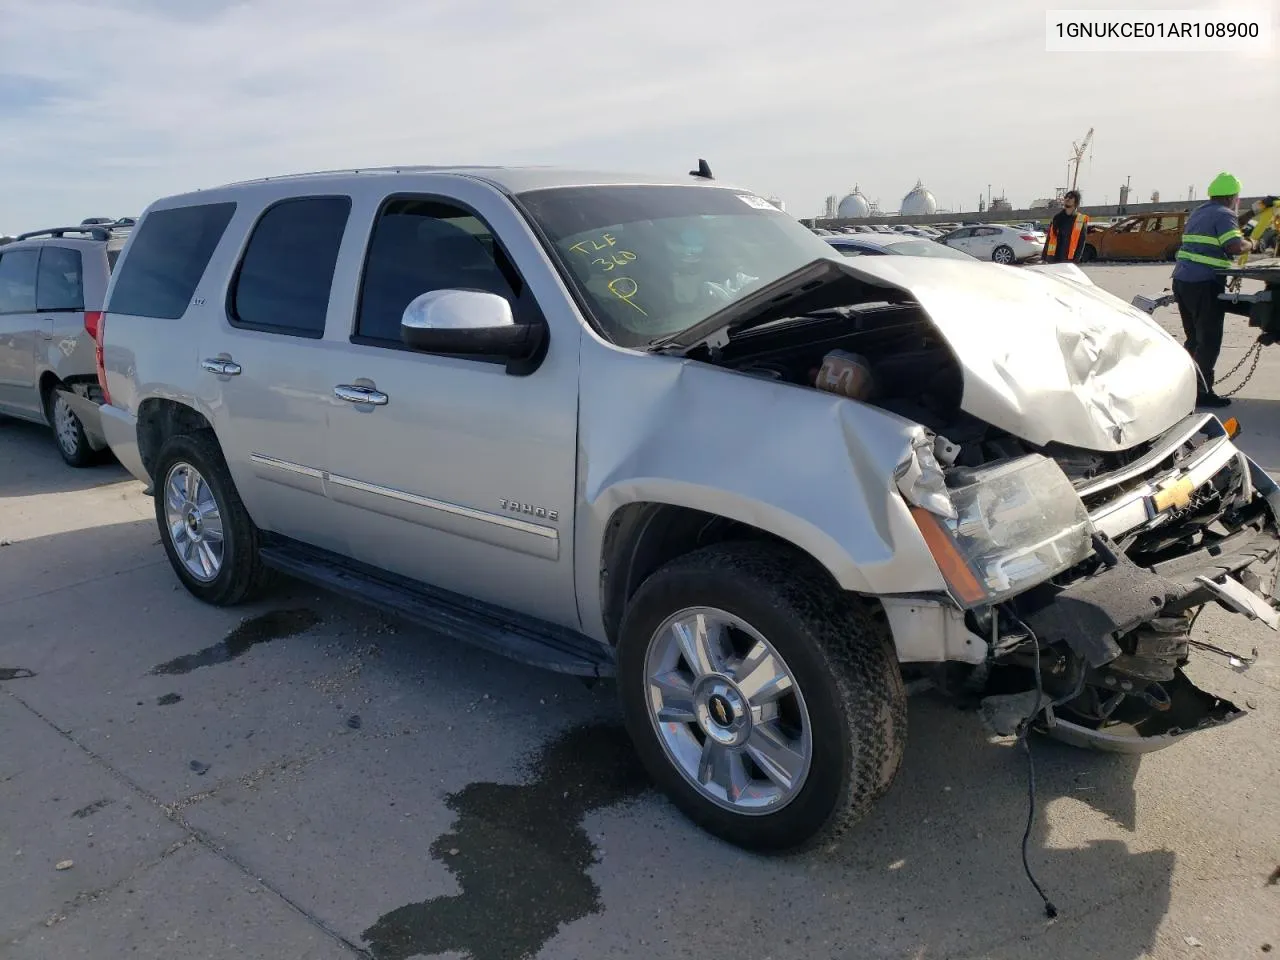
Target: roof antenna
703 171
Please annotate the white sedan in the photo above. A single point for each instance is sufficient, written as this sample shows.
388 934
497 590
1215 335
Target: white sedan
990 241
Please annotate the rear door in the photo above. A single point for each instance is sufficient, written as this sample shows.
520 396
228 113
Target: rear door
264 364
19 332
64 347
1166 236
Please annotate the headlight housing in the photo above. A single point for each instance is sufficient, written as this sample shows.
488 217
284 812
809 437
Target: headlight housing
1002 529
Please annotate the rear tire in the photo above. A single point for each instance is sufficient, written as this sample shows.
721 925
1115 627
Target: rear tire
1003 254
842 680
1089 254
68 432
207 533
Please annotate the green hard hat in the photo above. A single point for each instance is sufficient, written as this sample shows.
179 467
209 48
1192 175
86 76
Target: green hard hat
1224 185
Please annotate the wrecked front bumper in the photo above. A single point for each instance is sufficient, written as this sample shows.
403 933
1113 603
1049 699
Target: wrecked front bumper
1192 521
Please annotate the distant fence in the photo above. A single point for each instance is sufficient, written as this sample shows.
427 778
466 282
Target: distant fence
1017 216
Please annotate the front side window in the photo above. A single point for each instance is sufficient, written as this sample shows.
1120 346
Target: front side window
18 281
286 274
60 280
420 245
651 261
167 259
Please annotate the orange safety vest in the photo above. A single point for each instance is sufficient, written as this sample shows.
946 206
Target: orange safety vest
1077 229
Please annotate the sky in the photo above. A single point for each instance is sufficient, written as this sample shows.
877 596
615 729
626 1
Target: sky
109 104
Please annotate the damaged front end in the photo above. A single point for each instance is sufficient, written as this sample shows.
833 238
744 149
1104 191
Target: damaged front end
1084 575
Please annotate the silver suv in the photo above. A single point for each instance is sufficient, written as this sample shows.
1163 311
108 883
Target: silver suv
658 429
53 284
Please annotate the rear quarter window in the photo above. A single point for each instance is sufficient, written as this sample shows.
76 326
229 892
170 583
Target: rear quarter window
167 259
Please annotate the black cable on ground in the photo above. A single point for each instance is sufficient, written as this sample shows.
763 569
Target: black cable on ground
1050 910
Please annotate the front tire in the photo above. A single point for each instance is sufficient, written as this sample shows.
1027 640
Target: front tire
207 533
1089 254
768 705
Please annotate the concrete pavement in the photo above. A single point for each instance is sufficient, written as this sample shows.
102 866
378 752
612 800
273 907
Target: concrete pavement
302 778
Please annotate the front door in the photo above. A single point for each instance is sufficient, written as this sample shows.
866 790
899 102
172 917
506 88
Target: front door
984 242
1124 241
962 240
454 471
19 330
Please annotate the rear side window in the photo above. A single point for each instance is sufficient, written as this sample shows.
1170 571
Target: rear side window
284 279
18 281
60 280
167 259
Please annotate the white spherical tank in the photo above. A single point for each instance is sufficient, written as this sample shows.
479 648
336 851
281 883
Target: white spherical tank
919 202
854 205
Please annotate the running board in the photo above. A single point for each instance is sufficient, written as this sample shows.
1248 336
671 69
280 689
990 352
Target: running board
523 639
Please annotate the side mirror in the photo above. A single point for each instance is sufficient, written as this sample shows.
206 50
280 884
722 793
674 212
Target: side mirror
468 322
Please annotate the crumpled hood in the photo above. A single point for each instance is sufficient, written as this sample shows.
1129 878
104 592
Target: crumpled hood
1048 358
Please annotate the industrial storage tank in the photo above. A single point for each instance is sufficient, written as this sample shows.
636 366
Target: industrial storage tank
919 202
854 205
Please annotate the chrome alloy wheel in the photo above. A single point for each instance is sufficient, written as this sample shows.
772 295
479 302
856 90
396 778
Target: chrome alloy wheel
66 426
728 711
195 525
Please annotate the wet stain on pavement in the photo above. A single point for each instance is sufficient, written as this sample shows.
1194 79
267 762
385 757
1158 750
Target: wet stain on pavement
15 673
91 809
272 625
520 855
168 700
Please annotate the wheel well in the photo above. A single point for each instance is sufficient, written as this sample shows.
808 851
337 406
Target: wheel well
641 537
158 420
48 380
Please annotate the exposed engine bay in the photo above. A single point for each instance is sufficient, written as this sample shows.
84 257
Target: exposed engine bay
1174 522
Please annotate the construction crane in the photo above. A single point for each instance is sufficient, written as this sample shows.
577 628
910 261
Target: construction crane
1077 154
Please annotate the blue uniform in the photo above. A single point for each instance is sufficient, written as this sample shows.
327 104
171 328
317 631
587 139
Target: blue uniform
1209 227
1196 288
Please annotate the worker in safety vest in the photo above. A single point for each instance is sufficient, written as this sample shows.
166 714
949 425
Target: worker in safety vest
1065 242
1210 239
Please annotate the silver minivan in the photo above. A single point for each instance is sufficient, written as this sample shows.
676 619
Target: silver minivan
53 284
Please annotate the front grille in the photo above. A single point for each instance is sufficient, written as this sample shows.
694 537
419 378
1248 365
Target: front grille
1192 461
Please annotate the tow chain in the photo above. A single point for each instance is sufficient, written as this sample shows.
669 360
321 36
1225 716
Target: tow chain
1254 352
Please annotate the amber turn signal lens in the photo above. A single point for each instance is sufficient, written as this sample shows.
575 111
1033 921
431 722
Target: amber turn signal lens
1232 426
955 570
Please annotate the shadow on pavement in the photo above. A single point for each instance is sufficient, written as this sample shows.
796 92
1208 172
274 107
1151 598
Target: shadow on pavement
30 464
942 853
934 872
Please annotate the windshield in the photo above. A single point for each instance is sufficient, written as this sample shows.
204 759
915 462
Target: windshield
652 261
927 248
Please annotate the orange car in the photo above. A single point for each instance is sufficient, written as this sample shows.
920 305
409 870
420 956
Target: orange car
1149 236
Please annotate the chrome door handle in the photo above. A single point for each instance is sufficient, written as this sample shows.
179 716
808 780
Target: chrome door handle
357 394
223 368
